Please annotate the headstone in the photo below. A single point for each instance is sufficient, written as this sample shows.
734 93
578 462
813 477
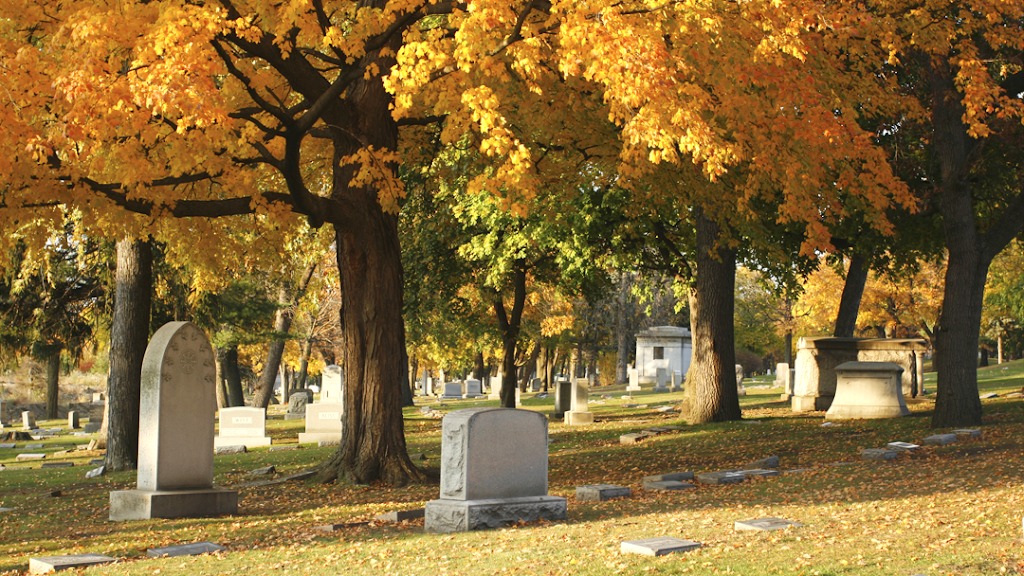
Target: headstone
967 433
666 485
230 450
176 421
658 546
193 549
428 385
331 388
867 390
661 380
495 388
902 446
29 456
323 422
878 454
452 390
8 445
61 464
769 462
939 440
245 425
95 412
634 380
783 380
28 420
764 524
96 472
473 389
263 471
98 397
740 390
535 384
724 477
989 396
296 407
677 476
563 397
633 438
578 413
47 564
400 515
487 481
677 381
601 492
73 420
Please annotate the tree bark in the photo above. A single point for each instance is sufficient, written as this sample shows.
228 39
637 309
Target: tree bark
406 382
52 384
282 324
509 325
529 367
129 336
853 291
711 380
232 376
222 391
307 349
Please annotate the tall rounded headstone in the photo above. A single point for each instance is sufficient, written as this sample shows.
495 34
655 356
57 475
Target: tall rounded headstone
176 428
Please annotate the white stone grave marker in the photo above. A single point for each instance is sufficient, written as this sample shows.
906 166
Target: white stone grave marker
245 425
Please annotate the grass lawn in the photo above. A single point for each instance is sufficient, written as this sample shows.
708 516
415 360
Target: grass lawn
953 510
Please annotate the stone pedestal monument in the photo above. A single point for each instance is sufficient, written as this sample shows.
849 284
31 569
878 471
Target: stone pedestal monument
176 419
579 413
488 481
868 390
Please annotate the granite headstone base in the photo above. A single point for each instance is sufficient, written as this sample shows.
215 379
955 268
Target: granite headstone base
146 504
811 403
318 437
447 516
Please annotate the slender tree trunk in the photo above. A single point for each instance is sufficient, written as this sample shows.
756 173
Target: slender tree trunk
508 325
478 366
307 349
222 391
232 376
849 302
282 324
711 380
528 368
129 336
406 382
52 384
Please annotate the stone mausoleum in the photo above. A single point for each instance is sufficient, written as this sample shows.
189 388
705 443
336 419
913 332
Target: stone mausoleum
667 347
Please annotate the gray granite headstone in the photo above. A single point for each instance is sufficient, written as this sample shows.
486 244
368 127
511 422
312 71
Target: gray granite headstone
666 485
763 524
659 546
563 397
193 549
473 389
96 472
73 420
296 407
176 425
46 564
939 440
599 492
487 481
878 454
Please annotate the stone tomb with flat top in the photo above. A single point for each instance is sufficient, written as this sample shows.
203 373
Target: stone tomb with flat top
176 421
488 481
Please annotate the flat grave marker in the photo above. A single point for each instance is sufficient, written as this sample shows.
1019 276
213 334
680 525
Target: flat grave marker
939 439
670 476
902 446
29 456
878 454
667 485
658 546
764 524
400 515
194 549
601 492
967 433
723 477
47 564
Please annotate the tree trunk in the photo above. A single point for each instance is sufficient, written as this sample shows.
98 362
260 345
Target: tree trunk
849 302
508 325
406 382
282 324
529 367
478 367
983 360
52 384
711 380
307 349
222 391
129 337
370 268
232 376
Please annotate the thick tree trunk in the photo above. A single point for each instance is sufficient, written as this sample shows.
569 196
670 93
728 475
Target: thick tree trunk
370 266
849 302
478 366
129 336
711 380
52 384
509 323
282 324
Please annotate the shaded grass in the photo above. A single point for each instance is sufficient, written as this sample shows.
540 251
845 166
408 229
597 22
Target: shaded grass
948 510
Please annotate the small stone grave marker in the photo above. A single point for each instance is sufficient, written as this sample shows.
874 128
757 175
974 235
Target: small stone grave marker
2 510
245 425
967 433
990 395
263 471
633 438
193 549
64 464
73 420
96 472
29 456
761 473
678 476
939 439
417 456
227 450
8 445
323 422
46 564
600 492
769 462
400 515
902 446
764 524
666 485
723 477
33 446
658 546
878 454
